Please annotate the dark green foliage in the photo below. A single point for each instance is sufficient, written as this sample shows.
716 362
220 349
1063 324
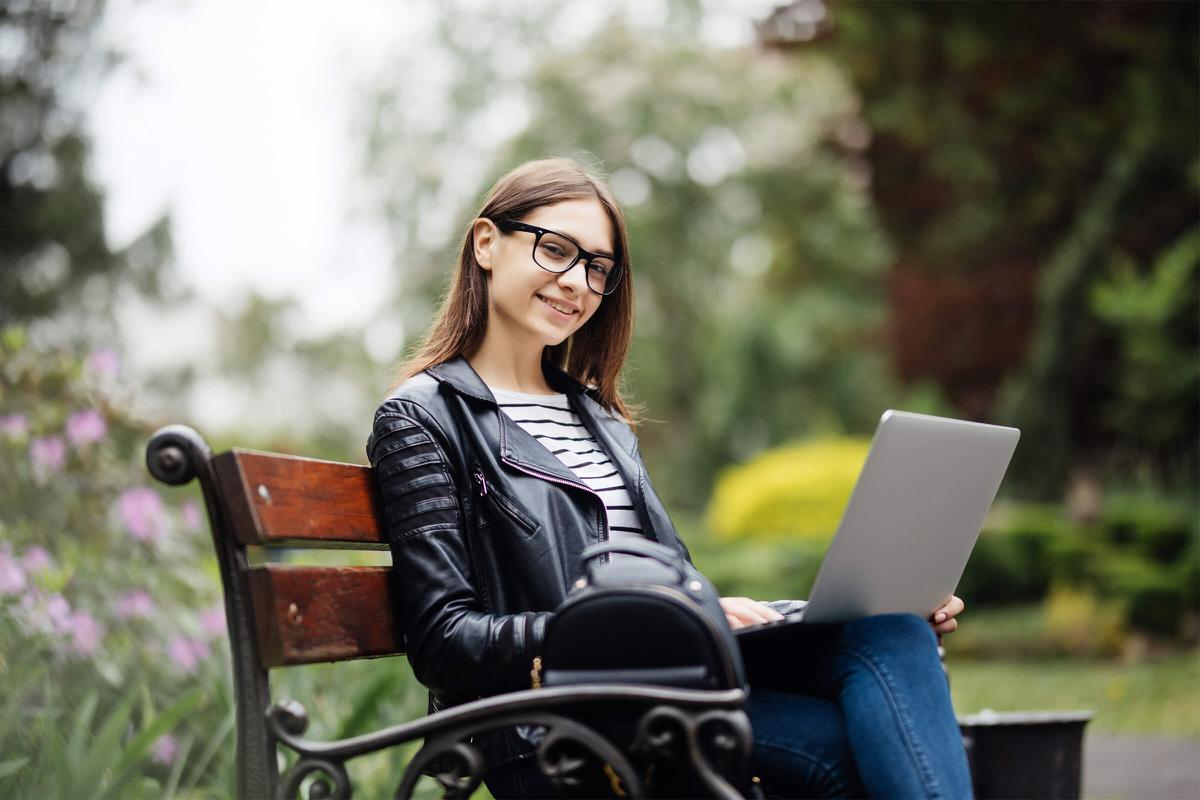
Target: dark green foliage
1155 531
1153 598
1020 151
1142 554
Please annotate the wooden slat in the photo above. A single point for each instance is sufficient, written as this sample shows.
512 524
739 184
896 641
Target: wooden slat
299 502
310 614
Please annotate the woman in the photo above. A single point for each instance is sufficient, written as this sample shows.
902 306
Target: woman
507 448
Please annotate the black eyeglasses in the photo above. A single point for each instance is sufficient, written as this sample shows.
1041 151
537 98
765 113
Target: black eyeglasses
557 252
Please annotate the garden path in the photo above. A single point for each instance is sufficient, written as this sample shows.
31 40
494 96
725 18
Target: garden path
1140 768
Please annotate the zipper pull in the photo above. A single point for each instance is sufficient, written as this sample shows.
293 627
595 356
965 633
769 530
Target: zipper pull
535 674
479 479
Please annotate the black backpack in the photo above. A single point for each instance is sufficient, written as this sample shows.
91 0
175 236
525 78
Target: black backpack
653 619
650 620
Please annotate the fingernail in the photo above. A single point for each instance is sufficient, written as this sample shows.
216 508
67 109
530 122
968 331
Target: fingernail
941 616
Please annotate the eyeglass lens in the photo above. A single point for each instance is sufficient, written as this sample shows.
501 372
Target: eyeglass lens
557 254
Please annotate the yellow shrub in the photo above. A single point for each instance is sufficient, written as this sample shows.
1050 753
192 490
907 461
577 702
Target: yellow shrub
797 490
1078 623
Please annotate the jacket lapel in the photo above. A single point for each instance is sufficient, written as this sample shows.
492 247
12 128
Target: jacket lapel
520 448
514 444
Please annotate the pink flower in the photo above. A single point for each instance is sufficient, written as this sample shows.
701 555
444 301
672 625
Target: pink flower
45 613
212 620
103 363
86 427
165 749
190 511
36 560
14 426
187 652
12 577
143 514
48 453
57 613
137 604
85 631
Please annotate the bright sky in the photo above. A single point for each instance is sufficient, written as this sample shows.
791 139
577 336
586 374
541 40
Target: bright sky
237 118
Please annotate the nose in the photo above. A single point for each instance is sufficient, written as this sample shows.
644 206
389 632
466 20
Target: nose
575 278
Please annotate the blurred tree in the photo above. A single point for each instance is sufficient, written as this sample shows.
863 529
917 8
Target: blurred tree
757 257
1150 313
53 253
756 252
1016 148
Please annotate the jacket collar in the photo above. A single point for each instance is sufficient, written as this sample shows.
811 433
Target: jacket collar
459 374
462 377
515 445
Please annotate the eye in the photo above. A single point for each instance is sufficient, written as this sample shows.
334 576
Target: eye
600 267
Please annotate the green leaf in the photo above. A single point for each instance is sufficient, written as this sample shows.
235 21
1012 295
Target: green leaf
215 744
136 749
365 704
81 728
89 775
12 765
172 786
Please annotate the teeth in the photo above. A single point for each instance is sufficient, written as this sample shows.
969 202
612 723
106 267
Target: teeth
556 306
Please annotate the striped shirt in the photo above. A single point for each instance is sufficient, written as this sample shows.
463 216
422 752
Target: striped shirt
550 419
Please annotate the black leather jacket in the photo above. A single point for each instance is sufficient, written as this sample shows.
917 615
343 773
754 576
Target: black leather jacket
486 525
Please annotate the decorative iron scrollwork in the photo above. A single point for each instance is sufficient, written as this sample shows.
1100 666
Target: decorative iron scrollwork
174 454
715 744
685 728
318 789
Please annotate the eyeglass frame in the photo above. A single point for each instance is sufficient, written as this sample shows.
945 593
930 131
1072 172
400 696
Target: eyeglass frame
583 255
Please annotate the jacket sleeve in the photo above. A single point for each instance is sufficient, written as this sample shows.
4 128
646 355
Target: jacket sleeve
455 647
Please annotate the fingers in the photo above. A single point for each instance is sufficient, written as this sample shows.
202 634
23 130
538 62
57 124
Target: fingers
954 606
747 612
944 619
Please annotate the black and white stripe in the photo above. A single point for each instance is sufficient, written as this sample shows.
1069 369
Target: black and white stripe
549 419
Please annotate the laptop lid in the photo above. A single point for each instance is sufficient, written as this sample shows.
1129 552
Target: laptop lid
913 517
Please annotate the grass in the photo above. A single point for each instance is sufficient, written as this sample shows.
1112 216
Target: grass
1158 697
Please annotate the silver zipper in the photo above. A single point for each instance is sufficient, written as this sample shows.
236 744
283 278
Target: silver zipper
555 479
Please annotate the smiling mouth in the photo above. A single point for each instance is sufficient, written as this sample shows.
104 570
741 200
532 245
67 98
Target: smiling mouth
557 307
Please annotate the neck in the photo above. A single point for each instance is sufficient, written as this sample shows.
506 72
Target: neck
506 367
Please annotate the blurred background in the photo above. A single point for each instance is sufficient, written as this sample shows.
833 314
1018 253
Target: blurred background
239 215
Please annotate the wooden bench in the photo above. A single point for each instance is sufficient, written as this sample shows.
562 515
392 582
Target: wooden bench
282 615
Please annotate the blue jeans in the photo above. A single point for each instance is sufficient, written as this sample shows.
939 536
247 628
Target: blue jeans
853 710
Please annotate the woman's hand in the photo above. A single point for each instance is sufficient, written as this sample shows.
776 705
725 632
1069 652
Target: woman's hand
742 611
943 620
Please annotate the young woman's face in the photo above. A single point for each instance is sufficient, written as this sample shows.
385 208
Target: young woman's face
526 302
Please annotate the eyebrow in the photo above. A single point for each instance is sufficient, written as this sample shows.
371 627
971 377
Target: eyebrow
604 253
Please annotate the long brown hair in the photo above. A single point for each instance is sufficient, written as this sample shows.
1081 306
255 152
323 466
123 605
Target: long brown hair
594 354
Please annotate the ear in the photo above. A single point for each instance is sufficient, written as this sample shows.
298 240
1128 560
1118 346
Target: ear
485 236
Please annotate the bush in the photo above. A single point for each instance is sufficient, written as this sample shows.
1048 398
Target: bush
1080 624
111 626
1152 595
1158 529
795 491
113 653
1015 556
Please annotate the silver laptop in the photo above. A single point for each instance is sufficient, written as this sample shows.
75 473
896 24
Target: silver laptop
912 520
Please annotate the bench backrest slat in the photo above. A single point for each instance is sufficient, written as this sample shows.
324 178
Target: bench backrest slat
299 502
310 614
